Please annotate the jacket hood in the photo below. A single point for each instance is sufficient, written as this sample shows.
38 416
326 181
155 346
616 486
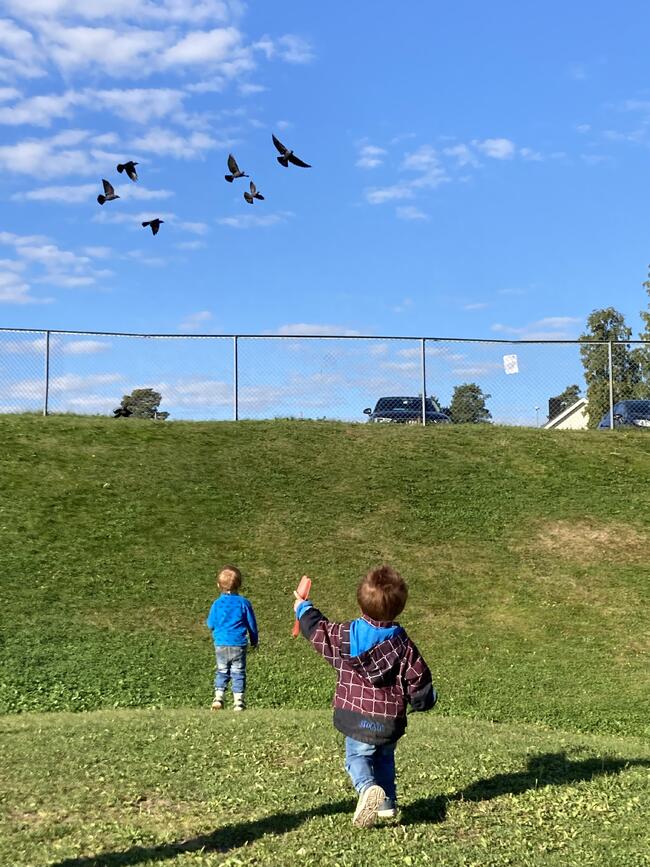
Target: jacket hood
380 665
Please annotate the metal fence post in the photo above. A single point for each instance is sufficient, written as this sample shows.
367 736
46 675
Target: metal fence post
235 380
610 369
46 395
423 365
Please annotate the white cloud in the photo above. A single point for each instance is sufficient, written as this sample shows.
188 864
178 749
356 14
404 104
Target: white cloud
9 93
496 148
464 156
421 160
250 88
254 221
165 11
410 212
56 156
60 385
14 290
370 156
84 347
477 305
114 52
59 267
165 142
294 49
530 155
202 48
97 252
583 128
195 228
379 195
191 245
399 365
195 321
290 48
484 368
549 328
21 54
315 329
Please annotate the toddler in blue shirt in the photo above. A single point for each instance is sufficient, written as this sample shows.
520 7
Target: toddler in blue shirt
231 620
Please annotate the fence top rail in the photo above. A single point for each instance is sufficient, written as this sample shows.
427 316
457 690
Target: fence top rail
177 336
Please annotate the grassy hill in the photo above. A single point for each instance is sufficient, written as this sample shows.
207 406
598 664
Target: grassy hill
525 552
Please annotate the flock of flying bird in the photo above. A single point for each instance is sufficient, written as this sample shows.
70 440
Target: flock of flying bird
286 156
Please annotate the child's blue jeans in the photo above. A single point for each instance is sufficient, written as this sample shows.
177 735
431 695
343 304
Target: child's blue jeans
231 663
368 765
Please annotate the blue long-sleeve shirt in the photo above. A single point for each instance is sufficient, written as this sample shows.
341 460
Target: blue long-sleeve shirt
231 617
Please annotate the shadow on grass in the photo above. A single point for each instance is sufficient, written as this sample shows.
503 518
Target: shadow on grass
545 769
222 840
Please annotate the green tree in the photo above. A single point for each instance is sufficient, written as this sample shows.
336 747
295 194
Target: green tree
468 404
141 403
564 400
608 325
643 353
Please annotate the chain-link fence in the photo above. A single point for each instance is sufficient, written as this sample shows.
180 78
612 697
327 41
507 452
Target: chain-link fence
352 378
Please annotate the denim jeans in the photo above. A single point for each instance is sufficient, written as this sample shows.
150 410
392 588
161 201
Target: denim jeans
368 765
231 663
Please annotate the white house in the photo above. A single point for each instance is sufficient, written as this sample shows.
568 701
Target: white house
574 417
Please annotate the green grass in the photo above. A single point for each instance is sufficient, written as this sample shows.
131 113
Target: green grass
526 556
149 787
525 551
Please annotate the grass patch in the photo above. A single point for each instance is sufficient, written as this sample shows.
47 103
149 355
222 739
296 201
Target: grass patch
146 787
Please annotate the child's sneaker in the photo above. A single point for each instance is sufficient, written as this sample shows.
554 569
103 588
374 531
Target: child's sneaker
367 806
238 699
217 704
387 810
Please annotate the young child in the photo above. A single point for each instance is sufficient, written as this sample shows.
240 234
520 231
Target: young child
379 671
231 618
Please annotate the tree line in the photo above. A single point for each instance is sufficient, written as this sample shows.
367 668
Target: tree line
630 366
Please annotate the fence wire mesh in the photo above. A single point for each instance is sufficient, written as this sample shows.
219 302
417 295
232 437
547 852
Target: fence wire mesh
376 379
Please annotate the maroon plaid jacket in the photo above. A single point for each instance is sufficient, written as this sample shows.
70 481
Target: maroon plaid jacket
374 688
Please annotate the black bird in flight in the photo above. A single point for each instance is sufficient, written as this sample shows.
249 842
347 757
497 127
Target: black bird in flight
129 168
155 225
253 194
109 193
236 172
288 156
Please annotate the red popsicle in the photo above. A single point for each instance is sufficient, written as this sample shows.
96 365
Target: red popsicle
303 591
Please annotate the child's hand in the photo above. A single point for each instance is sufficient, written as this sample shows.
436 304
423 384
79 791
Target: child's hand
299 601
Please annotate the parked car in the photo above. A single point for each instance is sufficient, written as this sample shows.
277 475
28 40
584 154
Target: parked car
628 413
406 410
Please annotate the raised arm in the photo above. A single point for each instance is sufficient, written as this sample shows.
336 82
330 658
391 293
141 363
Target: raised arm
325 637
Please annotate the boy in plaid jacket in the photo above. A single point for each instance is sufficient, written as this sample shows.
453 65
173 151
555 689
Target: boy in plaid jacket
379 672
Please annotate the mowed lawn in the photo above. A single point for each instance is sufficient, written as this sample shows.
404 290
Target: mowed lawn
526 554
267 787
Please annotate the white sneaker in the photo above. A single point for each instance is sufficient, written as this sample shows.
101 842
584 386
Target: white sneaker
238 698
387 810
217 704
367 806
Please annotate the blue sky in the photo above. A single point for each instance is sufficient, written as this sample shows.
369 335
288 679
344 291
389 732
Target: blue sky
478 170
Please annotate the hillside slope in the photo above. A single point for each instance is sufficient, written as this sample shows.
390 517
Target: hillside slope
525 552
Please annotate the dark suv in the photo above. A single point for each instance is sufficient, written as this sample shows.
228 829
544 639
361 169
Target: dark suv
406 410
628 413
